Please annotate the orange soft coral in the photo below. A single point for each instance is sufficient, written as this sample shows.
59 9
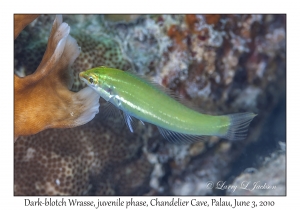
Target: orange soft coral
21 21
43 100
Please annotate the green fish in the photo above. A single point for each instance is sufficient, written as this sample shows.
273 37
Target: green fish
139 98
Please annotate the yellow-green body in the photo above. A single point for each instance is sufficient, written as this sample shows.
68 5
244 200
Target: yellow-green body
147 102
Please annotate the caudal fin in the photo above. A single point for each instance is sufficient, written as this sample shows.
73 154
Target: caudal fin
239 124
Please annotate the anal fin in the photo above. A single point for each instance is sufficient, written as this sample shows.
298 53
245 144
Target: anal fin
179 138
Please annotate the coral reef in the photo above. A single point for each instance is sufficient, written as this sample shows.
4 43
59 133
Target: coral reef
98 158
97 51
43 100
219 63
21 21
121 18
270 179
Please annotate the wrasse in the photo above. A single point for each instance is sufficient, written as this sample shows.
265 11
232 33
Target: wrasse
142 99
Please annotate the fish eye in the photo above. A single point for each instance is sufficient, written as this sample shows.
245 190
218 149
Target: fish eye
91 80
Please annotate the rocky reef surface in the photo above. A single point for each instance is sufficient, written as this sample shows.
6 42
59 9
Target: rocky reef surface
218 64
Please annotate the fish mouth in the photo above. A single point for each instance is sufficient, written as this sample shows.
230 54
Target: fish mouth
85 78
82 77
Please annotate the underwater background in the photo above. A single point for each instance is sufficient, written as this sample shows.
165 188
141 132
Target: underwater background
219 64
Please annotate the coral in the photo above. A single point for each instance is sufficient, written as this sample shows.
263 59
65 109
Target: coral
121 18
270 179
98 158
219 63
21 21
43 100
215 164
97 51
